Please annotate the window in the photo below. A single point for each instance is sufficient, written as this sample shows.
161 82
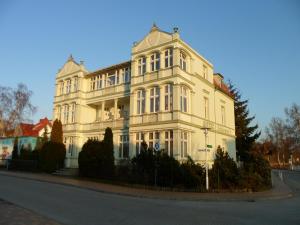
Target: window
61 87
184 144
124 146
126 75
75 84
93 83
142 66
223 114
71 146
73 112
204 72
139 139
206 108
68 87
168 97
58 112
182 61
169 142
183 99
111 79
99 81
155 61
154 99
140 101
66 114
169 58
153 138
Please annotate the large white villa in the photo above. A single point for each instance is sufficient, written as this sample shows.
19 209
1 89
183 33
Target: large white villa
165 94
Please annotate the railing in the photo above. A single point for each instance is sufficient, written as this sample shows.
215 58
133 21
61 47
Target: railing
67 96
119 123
109 90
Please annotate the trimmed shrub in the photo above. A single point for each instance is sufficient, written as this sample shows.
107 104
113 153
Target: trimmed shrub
52 156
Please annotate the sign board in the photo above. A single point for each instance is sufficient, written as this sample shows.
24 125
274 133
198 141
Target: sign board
156 146
209 146
203 150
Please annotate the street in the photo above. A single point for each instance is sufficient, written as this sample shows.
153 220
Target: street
71 205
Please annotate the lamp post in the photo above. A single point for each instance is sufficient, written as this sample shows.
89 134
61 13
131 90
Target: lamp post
205 129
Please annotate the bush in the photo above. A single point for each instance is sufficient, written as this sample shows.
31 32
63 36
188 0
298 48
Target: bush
224 173
96 158
52 156
256 174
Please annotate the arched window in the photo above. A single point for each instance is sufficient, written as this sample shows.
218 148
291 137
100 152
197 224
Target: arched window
142 66
155 61
154 99
182 61
168 57
183 99
140 101
168 97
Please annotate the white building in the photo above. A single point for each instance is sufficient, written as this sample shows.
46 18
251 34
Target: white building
165 94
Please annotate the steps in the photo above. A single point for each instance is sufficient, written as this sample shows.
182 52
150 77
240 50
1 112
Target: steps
68 172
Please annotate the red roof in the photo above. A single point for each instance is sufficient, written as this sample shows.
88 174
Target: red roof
34 129
223 87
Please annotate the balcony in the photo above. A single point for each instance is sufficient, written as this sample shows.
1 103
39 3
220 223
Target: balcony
64 97
121 89
152 76
101 125
152 118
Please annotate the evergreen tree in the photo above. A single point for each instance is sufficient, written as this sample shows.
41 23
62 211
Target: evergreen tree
57 133
246 135
15 153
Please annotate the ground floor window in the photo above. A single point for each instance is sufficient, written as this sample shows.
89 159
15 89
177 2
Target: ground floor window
153 138
139 139
184 144
169 142
124 146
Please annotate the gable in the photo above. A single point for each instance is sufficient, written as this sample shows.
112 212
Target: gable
68 68
154 38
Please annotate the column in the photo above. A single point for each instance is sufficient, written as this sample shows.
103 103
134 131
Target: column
102 111
132 104
116 77
115 108
176 57
176 144
148 65
162 59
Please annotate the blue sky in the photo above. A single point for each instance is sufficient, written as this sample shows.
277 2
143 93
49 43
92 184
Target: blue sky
255 44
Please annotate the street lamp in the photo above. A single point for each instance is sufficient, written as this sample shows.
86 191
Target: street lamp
205 129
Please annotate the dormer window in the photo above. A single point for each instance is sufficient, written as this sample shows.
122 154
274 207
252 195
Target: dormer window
182 61
155 61
142 66
169 58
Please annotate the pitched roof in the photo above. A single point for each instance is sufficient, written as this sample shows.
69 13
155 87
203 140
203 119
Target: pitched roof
34 129
221 86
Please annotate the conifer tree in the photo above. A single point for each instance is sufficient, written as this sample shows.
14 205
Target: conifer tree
56 133
246 133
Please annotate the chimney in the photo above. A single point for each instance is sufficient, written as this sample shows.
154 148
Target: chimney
218 78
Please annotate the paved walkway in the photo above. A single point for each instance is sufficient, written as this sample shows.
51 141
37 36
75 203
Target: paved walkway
279 190
15 215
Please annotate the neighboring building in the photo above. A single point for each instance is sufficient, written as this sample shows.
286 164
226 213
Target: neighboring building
34 130
27 137
164 95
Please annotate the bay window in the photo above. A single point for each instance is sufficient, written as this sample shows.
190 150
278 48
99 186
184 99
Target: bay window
139 138
169 142
154 99
168 57
168 97
184 144
142 66
140 101
183 99
155 61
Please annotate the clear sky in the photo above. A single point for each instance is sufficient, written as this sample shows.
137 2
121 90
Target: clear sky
255 44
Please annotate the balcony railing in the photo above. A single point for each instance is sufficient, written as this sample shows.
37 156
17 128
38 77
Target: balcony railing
125 88
119 123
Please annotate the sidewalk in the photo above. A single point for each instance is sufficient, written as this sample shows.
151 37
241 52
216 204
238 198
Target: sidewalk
279 190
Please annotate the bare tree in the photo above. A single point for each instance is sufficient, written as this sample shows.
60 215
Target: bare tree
293 126
15 107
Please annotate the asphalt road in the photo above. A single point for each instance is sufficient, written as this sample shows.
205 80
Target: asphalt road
71 205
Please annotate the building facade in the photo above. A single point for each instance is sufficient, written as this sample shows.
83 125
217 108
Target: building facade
165 94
